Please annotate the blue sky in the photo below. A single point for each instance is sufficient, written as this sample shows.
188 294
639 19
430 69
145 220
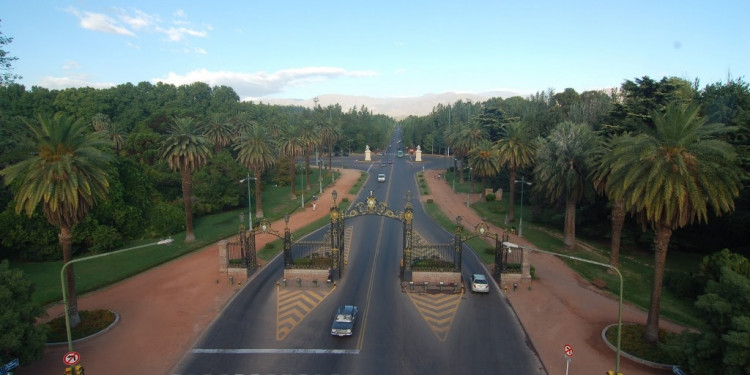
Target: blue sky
296 49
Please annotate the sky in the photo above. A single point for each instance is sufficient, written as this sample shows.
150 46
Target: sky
303 49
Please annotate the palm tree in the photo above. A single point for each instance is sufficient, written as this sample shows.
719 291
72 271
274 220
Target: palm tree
218 131
257 153
483 161
66 175
309 135
670 177
291 145
515 151
618 204
186 150
466 139
330 132
563 161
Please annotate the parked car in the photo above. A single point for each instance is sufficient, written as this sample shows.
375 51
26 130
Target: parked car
343 321
381 177
479 283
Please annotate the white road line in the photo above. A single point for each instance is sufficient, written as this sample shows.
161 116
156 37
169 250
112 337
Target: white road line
274 351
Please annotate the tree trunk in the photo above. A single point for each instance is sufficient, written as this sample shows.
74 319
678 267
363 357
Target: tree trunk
293 177
66 242
258 195
307 170
330 155
618 218
569 237
187 197
512 196
661 243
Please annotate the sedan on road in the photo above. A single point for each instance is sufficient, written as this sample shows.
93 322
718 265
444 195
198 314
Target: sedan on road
479 283
343 321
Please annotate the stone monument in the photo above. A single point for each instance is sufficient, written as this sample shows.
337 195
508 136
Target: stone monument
367 153
419 154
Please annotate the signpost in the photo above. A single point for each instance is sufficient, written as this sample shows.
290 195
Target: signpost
568 350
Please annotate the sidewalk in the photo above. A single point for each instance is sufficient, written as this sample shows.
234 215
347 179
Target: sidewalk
559 308
164 310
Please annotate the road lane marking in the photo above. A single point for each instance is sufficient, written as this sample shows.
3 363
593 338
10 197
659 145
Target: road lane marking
294 304
274 351
437 310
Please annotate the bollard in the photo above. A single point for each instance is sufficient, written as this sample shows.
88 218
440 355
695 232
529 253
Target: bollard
315 283
329 283
515 286
441 286
299 282
425 286
231 279
284 282
411 285
505 288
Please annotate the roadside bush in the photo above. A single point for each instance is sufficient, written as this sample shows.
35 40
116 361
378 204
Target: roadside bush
684 285
490 197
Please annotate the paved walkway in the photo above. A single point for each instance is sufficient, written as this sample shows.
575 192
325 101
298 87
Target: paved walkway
164 310
559 308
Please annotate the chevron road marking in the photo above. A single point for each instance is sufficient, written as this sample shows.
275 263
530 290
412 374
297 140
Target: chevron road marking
438 310
293 305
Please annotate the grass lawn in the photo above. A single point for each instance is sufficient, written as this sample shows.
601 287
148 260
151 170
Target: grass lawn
635 265
97 273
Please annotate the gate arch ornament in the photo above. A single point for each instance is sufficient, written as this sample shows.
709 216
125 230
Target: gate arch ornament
371 206
509 258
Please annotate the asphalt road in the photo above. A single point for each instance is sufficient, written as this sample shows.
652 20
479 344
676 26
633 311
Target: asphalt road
270 329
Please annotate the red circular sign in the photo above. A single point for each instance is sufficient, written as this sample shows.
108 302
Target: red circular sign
568 350
71 358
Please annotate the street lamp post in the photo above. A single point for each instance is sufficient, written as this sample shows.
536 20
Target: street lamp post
619 305
320 176
520 222
64 284
249 202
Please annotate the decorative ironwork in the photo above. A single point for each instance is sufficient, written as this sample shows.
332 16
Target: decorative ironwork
371 206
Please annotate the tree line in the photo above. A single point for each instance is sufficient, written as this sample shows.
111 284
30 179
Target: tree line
655 164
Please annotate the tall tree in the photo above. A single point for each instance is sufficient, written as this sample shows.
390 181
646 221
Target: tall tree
515 150
6 63
291 145
66 175
671 177
483 161
218 130
186 150
563 164
257 153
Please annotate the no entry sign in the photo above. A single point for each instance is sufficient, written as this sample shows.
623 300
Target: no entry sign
71 358
568 350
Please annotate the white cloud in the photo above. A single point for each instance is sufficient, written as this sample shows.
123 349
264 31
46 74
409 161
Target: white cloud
176 34
254 85
70 64
59 83
99 22
140 20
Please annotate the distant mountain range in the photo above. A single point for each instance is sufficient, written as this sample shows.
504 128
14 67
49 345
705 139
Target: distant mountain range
398 108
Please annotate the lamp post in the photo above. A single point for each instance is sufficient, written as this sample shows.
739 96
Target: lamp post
619 305
454 174
520 222
249 202
64 284
320 176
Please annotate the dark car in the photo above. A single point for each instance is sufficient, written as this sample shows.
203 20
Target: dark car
343 321
382 164
390 161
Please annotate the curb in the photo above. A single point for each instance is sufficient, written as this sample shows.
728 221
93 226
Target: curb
660 366
89 337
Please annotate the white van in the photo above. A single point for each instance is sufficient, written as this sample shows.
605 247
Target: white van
381 177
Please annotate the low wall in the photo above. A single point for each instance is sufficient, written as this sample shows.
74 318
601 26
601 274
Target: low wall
305 275
434 278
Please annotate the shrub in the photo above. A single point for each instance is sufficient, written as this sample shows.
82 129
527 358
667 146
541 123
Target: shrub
490 197
430 201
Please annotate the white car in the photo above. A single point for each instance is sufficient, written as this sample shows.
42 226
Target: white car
479 283
381 177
